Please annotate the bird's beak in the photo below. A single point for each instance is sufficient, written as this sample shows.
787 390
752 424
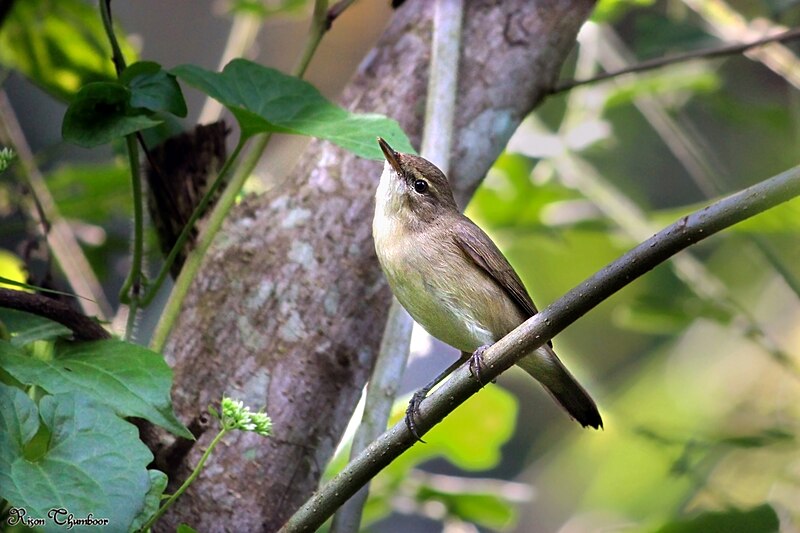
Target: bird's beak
391 156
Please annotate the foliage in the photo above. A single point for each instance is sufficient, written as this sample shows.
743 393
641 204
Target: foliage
697 381
472 438
58 44
265 100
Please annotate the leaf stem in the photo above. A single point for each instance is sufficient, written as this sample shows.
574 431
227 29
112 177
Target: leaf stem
198 212
189 480
133 284
319 25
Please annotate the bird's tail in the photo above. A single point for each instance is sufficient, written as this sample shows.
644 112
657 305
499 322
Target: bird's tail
546 368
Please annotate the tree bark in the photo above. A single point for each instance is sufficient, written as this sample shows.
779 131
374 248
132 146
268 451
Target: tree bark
289 307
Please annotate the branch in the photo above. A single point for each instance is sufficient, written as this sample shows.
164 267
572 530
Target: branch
720 51
83 327
534 332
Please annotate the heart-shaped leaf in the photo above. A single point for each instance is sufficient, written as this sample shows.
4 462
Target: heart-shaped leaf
265 100
92 462
130 379
153 88
101 113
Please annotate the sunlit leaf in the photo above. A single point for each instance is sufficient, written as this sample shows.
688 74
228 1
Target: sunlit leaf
610 10
483 509
92 193
261 9
59 44
91 463
131 379
489 415
265 100
11 268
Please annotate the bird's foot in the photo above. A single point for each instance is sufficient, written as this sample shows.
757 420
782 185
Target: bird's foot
413 410
476 363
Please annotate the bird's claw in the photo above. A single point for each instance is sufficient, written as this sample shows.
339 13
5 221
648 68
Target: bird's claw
476 363
413 410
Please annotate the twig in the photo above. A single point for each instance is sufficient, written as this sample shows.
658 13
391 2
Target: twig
730 25
720 51
63 244
534 332
83 327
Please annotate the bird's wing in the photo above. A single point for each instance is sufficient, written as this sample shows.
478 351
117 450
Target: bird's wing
477 246
482 251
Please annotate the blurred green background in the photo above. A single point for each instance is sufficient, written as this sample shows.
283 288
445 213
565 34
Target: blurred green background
695 367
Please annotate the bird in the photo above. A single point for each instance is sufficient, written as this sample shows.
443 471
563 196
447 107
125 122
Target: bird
454 281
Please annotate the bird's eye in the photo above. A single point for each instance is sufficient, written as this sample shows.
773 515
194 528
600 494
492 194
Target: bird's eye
421 186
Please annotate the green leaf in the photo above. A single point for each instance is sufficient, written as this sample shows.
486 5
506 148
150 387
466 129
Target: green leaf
93 462
154 88
101 113
59 45
611 10
761 519
185 528
12 268
94 192
152 500
261 9
131 379
265 100
483 509
491 415
26 328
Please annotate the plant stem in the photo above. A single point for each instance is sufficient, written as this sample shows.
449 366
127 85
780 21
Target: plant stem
186 483
192 265
535 331
319 25
193 261
198 212
108 25
133 283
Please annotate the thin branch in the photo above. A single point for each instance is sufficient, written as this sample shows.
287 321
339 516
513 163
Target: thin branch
534 332
720 51
63 244
336 10
83 327
730 25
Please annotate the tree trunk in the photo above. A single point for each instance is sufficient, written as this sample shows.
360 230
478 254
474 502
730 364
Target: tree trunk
289 307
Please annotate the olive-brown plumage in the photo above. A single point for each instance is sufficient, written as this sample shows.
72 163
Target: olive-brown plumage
451 277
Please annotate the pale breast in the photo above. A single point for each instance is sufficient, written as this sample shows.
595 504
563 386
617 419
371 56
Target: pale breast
443 291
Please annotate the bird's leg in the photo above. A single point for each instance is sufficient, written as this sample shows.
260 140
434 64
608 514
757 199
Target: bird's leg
476 362
413 406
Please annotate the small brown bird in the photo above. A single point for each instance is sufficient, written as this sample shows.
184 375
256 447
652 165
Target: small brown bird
454 282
